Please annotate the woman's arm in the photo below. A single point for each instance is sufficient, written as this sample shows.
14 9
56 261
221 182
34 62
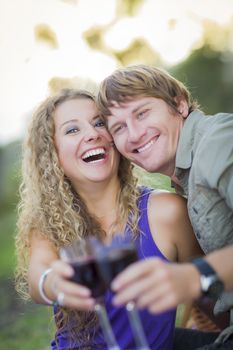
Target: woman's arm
43 255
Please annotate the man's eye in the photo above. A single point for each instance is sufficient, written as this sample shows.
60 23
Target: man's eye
72 131
118 129
142 114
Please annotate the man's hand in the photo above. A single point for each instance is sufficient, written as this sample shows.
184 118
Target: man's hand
157 285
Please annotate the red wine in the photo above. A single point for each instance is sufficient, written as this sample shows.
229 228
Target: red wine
115 262
87 273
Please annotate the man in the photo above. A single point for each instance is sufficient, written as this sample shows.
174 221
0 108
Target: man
155 123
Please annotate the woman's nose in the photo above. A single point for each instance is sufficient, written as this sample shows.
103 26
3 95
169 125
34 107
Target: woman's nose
91 134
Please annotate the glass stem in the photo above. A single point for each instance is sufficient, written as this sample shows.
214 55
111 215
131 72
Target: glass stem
136 326
106 327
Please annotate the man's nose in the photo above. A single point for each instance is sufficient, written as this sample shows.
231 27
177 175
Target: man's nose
135 132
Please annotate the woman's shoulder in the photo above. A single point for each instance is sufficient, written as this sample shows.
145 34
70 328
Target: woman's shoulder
168 206
146 190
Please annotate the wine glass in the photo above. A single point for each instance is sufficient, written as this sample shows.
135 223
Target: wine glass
112 259
80 257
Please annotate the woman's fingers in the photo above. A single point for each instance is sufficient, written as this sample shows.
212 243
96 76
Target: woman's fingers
75 295
79 303
62 268
68 293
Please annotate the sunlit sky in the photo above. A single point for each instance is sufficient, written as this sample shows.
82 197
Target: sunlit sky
26 65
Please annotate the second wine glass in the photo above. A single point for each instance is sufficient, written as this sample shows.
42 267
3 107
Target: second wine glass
112 259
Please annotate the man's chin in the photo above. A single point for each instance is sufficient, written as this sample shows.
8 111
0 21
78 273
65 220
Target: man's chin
144 166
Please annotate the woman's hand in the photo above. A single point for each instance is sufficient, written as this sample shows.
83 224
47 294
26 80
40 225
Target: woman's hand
70 294
157 285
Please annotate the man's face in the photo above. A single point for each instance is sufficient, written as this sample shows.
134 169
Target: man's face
146 130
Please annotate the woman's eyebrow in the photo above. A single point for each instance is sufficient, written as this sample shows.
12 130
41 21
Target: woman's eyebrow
67 122
96 117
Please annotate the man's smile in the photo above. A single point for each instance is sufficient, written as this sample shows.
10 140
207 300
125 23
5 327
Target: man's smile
147 146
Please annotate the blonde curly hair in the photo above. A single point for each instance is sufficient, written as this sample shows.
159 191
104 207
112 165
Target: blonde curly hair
49 203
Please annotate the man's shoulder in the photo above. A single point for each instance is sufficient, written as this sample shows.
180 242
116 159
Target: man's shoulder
213 153
216 133
216 121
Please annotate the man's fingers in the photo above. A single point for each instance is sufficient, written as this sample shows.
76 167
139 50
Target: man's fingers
134 290
162 304
134 272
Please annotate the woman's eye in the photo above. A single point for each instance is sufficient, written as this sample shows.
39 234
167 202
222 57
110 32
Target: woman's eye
100 123
72 131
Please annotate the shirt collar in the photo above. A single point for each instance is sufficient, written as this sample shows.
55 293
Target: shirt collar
185 144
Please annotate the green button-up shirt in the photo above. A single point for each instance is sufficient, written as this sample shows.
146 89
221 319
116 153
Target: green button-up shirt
204 168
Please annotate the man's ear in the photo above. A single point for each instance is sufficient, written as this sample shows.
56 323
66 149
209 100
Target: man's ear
182 107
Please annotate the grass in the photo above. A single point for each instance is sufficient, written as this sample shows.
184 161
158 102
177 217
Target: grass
156 181
7 229
29 330
23 326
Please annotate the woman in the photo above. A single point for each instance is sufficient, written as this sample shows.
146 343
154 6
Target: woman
75 184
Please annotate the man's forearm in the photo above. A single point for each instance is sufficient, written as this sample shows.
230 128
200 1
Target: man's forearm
222 262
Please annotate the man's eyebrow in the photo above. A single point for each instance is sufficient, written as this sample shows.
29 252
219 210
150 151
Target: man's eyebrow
135 110
113 124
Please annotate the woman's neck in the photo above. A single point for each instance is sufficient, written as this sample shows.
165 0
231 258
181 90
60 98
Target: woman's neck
102 201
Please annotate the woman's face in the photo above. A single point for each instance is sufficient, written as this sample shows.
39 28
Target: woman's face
85 148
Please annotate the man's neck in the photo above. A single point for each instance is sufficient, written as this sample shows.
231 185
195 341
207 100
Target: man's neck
175 179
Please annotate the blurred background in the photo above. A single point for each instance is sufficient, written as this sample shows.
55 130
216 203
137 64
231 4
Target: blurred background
47 45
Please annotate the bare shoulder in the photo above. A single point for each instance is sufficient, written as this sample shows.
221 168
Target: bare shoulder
167 206
171 227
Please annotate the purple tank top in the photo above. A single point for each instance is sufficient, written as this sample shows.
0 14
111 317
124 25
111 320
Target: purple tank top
158 328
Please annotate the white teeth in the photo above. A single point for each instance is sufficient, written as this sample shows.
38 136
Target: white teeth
96 161
93 152
144 148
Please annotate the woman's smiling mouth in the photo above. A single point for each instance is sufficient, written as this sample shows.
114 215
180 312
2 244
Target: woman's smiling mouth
94 155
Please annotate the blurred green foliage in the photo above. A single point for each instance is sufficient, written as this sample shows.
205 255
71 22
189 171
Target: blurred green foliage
208 74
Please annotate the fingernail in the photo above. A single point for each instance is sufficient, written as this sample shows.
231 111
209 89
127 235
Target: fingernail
91 302
115 301
86 292
115 285
70 271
